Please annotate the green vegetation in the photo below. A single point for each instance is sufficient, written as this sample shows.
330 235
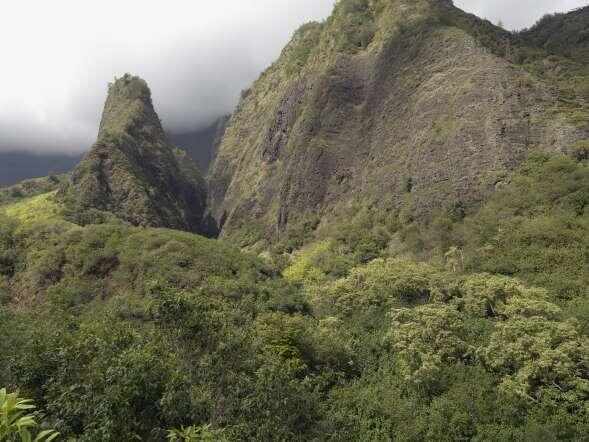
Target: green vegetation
369 319
30 188
194 434
305 40
562 34
356 19
534 227
38 210
121 332
16 424
537 227
132 171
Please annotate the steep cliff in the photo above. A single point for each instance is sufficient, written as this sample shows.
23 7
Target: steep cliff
132 171
415 105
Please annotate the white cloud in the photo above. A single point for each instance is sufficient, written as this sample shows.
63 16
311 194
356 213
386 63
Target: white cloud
517 14
58 56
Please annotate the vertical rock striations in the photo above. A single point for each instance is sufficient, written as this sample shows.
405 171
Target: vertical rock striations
385 92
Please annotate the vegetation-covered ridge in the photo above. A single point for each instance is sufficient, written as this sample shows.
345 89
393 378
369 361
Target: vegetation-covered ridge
562 34
133 172
401 103
120 332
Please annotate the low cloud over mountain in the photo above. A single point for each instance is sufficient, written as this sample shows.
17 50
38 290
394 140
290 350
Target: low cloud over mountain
197 57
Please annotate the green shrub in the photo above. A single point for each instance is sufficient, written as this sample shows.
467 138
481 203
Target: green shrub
197 434
356 19
15 422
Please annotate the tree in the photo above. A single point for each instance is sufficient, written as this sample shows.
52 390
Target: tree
426 338
536 351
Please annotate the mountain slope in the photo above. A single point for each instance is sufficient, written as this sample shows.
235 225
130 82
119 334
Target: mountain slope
201 145
408 105
132 170
566 34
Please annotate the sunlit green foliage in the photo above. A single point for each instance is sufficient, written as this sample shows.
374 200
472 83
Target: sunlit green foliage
426 339
540 355
31 188
16 421
41 209
537 227
125 332
196 434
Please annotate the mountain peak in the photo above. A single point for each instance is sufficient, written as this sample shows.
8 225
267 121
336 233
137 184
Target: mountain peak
129 108
132 171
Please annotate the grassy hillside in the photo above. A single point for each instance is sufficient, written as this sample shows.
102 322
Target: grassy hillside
29 188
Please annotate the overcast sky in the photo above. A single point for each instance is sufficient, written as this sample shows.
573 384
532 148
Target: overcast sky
58 56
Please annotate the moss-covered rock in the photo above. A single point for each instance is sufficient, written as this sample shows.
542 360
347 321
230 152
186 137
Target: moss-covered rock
382 94
132 171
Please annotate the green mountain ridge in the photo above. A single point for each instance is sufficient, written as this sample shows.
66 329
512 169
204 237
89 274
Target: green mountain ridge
411 104
403 200
562 34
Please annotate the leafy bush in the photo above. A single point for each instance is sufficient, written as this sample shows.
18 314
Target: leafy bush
427 338
536 227
15 423
196 434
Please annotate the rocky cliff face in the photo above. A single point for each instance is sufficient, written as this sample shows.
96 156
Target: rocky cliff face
412 104
132 171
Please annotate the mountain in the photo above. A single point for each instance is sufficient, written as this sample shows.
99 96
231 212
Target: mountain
414 106
133 171
404 202
562 34
18 166
201 145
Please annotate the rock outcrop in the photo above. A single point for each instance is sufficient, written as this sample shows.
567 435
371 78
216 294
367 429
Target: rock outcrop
384 93
132 171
